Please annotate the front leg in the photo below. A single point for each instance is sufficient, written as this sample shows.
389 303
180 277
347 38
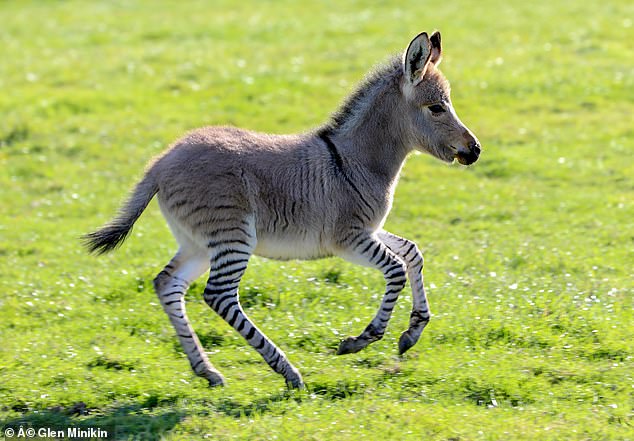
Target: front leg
368 250
413 258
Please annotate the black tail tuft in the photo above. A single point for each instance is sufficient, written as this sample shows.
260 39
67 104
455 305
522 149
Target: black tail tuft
106 239
110 236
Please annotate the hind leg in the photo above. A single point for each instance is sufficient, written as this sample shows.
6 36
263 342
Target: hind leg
230 248
170 286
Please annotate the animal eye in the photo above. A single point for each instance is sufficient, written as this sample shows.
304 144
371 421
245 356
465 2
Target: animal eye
436 108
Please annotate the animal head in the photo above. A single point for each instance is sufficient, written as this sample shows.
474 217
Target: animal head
434 126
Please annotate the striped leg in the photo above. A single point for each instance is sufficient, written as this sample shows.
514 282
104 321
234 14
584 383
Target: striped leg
368 250
171 285
228 263
413 258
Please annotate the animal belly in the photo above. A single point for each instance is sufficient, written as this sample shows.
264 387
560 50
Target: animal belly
289 247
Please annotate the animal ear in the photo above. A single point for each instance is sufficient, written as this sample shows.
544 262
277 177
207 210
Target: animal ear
416 58
436 48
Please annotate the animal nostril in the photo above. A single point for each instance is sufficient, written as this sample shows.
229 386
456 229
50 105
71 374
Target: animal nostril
476 149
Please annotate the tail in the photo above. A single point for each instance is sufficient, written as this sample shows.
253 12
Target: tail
112 235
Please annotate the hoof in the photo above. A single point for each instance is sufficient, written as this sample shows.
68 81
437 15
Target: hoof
410 337
213 378
405 342
216 383
296 383
294 379
351 345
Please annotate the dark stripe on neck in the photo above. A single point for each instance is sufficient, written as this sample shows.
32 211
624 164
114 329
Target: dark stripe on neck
332 149
324 135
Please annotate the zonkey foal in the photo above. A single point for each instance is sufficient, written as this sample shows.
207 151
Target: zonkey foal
229 193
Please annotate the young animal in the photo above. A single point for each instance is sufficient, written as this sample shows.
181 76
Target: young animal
229 193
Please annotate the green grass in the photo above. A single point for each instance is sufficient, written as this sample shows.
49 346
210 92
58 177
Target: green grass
528 253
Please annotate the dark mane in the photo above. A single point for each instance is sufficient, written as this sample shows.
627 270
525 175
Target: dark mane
382 74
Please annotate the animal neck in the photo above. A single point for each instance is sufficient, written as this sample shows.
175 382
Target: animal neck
368 129
373 134
376 148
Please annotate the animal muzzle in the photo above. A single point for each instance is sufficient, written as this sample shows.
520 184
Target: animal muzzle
470 154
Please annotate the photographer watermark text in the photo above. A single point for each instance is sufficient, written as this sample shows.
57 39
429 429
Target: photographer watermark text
76 433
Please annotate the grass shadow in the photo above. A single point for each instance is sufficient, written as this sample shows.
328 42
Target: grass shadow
130 421
275 402
260 406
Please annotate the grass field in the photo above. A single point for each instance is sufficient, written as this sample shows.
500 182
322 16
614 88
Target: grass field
528 253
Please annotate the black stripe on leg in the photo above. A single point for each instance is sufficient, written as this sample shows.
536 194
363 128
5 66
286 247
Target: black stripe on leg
409 249
165 272
365 250
229 263
231 251
261 344
395 269
215 243
233 318
221 300
224 312
396 283
384 255
169 294
229 273
241 325
376 251
215 291
215 301
230 229
275 362
225 283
